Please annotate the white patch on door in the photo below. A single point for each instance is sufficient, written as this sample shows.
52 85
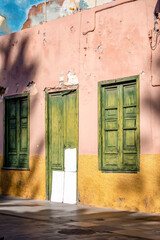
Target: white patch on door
57 186
70 160
64 183
70 187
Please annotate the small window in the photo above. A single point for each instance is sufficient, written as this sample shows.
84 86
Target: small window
119 142
16 132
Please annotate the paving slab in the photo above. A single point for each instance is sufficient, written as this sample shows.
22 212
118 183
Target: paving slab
36 219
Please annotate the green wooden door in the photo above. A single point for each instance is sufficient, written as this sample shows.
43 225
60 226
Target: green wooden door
11 138
62 129
119 127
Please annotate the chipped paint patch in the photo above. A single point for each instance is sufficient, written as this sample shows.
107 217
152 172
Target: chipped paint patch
4 29
27 15
72 79
3 91
31 88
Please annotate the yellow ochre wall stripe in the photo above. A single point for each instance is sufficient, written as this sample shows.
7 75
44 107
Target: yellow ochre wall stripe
129 191
25 184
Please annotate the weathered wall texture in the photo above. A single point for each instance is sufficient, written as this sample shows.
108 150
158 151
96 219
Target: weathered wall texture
107 42
4 29
132 192
26 184
20 14
57 9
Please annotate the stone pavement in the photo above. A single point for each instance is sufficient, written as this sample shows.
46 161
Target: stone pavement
35 219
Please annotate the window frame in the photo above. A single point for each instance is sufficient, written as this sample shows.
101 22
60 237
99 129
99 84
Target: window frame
110 83
18 96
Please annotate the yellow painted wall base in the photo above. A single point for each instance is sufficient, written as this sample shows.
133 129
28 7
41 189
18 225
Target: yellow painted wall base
25 184
134 192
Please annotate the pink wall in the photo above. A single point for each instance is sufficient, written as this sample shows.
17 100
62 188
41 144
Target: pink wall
116 46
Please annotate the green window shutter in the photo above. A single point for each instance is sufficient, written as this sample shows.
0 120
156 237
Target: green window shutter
16 133
130 127
23 133
119 126
11 134
110 131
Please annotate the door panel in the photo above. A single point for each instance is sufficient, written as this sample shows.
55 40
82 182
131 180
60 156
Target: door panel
110 128
56 134
129 127
70 187
57 186
70 123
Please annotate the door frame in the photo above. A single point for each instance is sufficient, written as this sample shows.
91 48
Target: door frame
47 92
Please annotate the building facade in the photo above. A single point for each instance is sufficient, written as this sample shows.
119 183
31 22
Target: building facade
80 108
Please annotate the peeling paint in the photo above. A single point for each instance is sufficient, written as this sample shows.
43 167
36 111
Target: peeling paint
27 15
31 88
3 91
100 49
120 201
61 80
55 9
4 29
72 79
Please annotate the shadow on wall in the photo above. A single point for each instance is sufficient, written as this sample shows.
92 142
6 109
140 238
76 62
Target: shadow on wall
25 184
146 183
16 72
151 103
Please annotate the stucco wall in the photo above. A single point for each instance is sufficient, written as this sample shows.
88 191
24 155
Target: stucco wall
26 184
132 192
107 42
16 15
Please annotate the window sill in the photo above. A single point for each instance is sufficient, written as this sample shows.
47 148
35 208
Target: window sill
17 169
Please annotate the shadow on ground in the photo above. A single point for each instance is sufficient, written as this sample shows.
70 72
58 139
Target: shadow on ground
63 221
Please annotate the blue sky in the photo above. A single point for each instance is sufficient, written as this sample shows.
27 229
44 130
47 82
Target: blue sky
16 12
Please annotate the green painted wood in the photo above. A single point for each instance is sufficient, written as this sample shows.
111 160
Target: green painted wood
49 146
100 107
129 127
16 133
11 130
56 134
48 191
62 125
110 131
119 125
23 133
70 120
138 123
